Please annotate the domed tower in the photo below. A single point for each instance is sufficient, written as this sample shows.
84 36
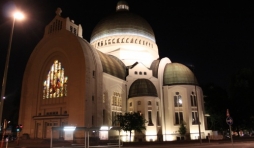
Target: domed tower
183 101
143 98
126 36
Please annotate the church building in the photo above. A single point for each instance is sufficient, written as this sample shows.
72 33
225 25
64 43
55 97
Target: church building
71 81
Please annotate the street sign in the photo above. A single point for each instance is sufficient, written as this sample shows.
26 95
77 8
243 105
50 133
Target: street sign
229 120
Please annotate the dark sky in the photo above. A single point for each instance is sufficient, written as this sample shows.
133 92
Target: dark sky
215 37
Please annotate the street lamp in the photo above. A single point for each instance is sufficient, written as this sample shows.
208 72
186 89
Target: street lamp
18 16
199 131
196 95
179 103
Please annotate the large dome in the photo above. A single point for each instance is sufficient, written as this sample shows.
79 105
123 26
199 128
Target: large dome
122 22
176 73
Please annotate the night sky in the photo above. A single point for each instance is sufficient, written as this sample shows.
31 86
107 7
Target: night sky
215 37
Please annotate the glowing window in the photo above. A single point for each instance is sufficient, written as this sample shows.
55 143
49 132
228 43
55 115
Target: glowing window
194 117
117 99
55 84
178 101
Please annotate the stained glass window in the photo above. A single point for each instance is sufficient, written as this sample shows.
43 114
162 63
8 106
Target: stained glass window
55 84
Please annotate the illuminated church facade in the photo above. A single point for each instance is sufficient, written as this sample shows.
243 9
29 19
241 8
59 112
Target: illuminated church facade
69 81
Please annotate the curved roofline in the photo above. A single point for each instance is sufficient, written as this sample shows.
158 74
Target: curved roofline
142 87
193 84
115 33
177 73
122 23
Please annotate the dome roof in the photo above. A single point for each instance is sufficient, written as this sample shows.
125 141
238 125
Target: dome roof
122 22
154 67
142 87
112 65
176 73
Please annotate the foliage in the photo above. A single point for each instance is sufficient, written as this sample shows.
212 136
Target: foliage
182 129
239 102
241 99
216 103
132 121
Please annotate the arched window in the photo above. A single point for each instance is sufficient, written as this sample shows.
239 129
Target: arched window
178 101
149 103
132 40
150 122
193 99
55 84
178 111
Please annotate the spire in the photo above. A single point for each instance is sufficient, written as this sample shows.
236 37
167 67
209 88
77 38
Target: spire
122 6
58 11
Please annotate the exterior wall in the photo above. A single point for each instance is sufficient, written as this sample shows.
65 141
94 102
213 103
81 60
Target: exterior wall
129 49
141 70
171 130
142 105
66 48
113 85
162 64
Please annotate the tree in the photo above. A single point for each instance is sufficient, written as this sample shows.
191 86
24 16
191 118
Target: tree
182 129
241 99
132 121
217 111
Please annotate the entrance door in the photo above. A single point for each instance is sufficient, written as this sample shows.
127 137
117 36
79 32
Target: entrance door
38 130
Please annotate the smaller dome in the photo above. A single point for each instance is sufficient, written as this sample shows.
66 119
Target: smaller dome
176 73
142 87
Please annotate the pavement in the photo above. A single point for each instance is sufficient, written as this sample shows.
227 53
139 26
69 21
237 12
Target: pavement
45 143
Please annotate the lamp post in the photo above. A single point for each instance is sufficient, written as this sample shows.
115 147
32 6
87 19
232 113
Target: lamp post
199 131
195 83
17 15
179 103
